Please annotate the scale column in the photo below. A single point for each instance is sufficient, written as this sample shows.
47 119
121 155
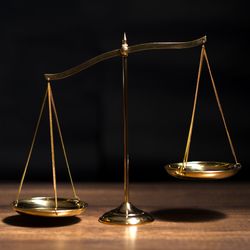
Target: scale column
124 54
126 213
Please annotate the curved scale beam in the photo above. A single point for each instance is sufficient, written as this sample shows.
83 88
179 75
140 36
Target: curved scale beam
131 49
83 66
167 45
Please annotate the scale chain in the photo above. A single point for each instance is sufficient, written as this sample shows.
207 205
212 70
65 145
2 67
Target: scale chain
193 112
220 108
49 95
63 145
32 145
186 155
52 144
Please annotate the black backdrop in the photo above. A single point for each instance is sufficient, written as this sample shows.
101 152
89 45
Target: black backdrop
40 37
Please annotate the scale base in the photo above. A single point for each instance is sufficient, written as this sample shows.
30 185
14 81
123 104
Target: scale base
126 214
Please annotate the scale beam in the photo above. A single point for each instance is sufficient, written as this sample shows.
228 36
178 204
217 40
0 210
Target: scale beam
117 52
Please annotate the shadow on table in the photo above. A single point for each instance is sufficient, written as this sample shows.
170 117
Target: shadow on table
188 215
32 221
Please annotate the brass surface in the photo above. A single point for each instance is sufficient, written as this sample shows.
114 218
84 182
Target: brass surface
204 169
126 214
207 170
167 45
124 48
52 146
125 51
48 206
32 145
45 206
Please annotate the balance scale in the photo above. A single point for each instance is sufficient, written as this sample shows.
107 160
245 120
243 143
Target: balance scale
126 213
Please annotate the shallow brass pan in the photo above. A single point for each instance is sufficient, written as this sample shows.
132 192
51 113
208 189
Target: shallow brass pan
45 206
206 170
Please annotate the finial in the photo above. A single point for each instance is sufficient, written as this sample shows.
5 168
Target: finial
124 48
124 37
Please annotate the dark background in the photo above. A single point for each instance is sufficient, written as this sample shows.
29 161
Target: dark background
40 37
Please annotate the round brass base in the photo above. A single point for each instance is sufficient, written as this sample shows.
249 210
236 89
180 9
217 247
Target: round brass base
45 207
126 214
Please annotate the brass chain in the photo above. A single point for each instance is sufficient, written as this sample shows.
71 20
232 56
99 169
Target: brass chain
63 145
220 108
186 155
32 145
52 109
52 144
185 159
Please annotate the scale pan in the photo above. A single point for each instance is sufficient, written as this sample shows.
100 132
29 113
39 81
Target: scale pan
45 206
206 170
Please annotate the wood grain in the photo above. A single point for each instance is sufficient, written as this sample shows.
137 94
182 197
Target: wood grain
188 216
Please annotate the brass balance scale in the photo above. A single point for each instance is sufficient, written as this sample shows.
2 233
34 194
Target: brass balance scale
126 213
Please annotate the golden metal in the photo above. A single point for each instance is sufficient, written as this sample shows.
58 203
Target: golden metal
130 49
124 48
32 145
126 213
206 170
63 146
220 108
124 52
52 145
185 159
45 207
48 206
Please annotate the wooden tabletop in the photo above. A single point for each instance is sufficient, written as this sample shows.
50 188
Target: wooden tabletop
187 215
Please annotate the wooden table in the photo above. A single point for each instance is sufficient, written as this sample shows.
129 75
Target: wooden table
188 215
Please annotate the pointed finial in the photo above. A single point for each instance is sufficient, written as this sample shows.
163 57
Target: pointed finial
124 48
124 37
